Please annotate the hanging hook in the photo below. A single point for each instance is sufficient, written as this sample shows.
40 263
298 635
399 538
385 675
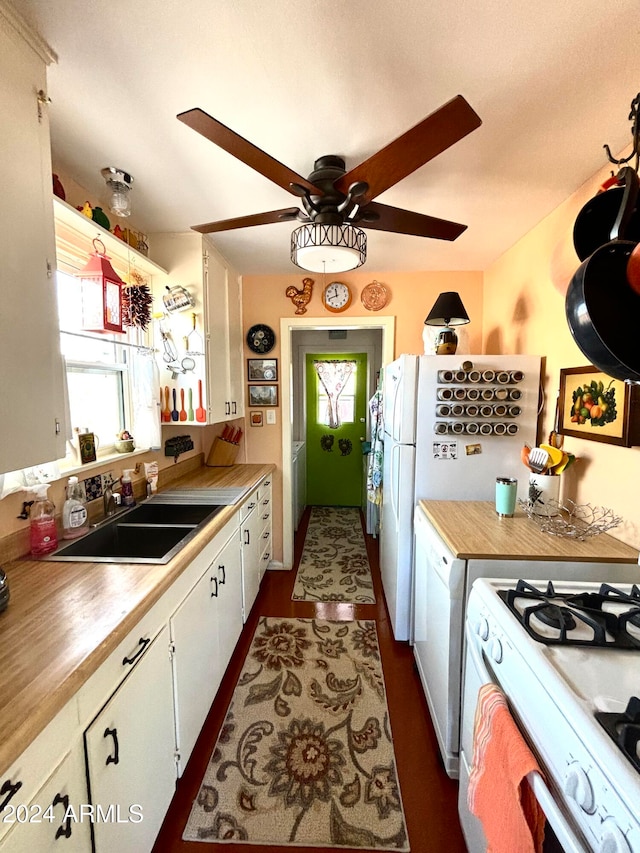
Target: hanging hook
635 132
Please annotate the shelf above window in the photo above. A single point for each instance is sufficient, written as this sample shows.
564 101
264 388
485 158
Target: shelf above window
75 233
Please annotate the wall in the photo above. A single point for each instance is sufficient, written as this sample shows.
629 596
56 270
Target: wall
524 311
412 295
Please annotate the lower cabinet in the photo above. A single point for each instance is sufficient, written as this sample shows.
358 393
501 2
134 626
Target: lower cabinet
130 755
204 632
250 530
56 819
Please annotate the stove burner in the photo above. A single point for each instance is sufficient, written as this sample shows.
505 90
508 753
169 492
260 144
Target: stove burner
624 729
564 611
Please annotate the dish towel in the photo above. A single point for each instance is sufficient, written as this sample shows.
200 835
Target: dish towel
498 794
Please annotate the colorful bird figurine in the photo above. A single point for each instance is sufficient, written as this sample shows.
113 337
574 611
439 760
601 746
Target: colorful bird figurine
87 210
300 298
119 232
98 215
58 189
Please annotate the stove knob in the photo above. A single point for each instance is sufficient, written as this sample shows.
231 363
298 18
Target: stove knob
495 650
578 787
482 628
612 839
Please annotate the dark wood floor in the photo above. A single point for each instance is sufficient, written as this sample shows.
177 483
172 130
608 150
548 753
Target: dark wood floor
429 796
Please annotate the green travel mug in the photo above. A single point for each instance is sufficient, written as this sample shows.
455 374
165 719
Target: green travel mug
506 492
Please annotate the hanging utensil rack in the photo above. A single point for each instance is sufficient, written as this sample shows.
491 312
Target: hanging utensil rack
635 132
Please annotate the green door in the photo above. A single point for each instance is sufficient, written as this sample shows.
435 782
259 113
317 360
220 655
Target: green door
334 453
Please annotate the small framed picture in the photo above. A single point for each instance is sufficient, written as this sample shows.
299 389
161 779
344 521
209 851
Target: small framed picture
255 419
87 444
263 395
262 369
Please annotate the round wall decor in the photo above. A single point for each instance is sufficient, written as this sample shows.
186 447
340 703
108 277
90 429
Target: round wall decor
261 338
374 296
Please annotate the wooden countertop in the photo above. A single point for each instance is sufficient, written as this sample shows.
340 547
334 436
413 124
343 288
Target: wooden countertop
64 619
471 529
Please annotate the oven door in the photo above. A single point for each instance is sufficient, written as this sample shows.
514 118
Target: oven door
477 672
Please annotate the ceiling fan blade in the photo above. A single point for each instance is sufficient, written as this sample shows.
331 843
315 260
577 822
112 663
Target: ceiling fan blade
433 135
407 222
238 147
283 215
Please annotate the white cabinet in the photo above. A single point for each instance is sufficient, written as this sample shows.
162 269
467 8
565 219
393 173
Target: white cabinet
193 262
29 337
46 824
204 632
130 754
255 537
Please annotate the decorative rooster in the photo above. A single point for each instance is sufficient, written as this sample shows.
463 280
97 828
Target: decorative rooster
300 298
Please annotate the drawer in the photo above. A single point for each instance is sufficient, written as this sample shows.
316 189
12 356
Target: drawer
249 506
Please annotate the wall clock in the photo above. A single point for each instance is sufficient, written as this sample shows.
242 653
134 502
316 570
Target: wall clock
374 296
336 296
261 338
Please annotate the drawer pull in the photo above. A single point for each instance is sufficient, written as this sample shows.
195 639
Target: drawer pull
267 556
265 502
267 482
214 586
65 826
251 505
266 534
266 516
9 790
224 574
115 758
143 643
247 537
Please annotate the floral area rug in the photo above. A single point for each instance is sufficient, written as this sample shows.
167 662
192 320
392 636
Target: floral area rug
334 565
305 755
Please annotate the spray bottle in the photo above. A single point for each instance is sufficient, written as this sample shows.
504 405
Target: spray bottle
127 488
74 512
43 535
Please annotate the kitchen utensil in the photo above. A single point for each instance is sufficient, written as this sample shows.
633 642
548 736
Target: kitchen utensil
193 341
555 455
595 221
538 460
567 459
183 411
177 298
524 455
165 414
555 438
201 415
190 411
175 414
601 307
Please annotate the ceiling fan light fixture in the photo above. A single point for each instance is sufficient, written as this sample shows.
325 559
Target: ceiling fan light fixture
328 248
119 183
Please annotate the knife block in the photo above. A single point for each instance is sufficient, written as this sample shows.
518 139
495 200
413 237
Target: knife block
222 454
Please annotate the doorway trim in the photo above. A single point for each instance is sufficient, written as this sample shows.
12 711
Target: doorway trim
288 325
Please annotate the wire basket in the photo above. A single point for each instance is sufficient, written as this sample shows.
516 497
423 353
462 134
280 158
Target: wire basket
571 520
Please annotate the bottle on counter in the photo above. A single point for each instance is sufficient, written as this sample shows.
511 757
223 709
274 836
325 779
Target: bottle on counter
74 512
43 535
127 488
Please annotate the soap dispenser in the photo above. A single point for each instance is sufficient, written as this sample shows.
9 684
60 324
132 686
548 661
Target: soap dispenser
42 534
127 487
74 511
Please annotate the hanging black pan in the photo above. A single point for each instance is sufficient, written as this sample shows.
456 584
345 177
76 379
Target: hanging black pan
595 221
603 309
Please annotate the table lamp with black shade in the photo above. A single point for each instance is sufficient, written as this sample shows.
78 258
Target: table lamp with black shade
447 311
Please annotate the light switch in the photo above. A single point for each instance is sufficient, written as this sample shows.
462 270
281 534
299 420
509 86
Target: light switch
271 416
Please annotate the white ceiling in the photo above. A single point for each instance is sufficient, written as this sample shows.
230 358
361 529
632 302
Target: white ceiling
552 82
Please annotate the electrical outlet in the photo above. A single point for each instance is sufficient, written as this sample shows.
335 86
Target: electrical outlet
271 416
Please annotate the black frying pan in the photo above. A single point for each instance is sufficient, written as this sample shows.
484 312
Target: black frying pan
594 223
603 310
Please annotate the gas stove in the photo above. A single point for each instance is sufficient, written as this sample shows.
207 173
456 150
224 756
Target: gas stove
567 656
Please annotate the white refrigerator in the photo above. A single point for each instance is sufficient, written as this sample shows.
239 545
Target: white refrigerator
452 424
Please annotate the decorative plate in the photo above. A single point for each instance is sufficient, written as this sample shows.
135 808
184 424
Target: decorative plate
374 296
261 338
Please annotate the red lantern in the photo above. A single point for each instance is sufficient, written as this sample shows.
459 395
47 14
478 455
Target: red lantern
101 293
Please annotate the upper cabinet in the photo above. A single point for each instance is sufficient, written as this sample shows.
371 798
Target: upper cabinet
33 423
208 332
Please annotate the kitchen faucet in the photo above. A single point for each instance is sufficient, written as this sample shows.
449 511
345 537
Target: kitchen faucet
109 498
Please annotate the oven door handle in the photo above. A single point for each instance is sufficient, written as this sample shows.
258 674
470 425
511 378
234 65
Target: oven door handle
570 843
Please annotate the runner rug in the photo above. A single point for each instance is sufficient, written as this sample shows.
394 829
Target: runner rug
334 565
305 755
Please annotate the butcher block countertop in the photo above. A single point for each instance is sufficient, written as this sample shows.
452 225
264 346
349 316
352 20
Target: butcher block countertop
64 619
473 530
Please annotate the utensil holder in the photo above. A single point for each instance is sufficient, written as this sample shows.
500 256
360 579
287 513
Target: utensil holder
544 494
222 454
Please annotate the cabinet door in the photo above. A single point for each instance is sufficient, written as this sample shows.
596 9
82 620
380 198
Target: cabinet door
46 824
217 335
250 531
236 351
130 755
197 668
229 572
29 336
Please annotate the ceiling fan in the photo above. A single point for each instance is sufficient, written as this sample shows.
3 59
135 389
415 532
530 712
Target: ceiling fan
333 199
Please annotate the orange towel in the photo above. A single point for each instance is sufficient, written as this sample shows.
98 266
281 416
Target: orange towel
498 795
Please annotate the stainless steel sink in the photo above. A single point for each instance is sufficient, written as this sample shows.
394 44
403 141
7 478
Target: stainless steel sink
153 532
